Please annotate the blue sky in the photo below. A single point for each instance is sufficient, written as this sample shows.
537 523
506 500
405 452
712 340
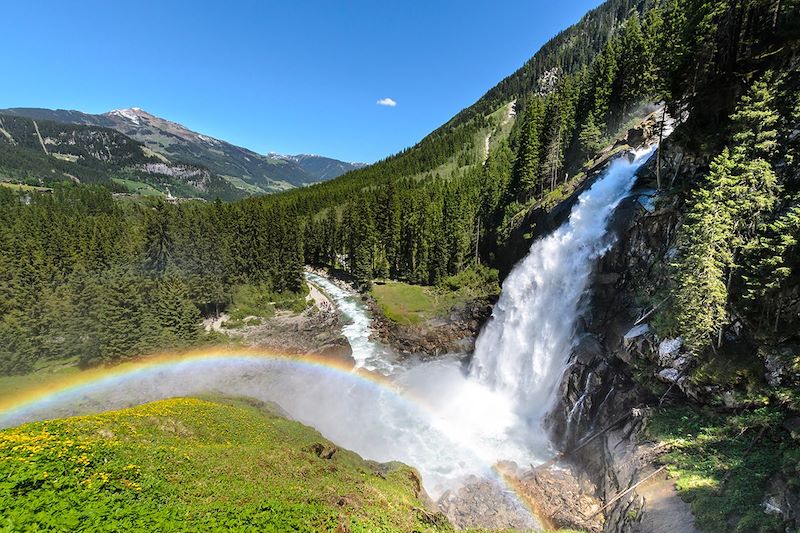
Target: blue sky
293 76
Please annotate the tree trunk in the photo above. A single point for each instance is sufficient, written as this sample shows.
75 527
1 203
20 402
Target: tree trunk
775 15
477 241
658 152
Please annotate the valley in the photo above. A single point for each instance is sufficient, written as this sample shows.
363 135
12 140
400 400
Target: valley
572 305
146 152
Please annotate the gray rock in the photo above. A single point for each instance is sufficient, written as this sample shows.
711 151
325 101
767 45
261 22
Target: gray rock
682 363
780 371
637 331
669 375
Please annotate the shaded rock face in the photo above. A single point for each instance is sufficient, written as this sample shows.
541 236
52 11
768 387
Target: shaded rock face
565 496
782 499
597 388
782 365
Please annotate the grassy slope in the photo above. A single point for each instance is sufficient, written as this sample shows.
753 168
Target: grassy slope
412 304
189 464
138 187
721 463
22 187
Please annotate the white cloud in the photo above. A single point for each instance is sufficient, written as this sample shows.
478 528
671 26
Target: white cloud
388 102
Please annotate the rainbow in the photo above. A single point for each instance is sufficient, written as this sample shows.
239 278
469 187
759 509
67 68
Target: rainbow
107 376
24 405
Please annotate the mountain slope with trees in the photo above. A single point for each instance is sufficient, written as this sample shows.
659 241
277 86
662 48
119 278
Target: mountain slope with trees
44 153
433 210
84 276
245 169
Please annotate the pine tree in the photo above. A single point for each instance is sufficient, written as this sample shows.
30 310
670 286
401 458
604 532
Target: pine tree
705 256
174 312
525 176
604 74
770 259
158 239
590 137
756 120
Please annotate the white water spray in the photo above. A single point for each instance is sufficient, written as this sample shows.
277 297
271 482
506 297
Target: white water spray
468 421
524 349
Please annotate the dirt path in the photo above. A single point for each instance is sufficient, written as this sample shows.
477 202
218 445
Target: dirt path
321 300
664 511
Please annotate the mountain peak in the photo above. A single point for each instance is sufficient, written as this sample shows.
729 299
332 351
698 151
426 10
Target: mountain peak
130 113
246 169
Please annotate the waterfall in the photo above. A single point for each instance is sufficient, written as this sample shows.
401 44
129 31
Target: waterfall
524 348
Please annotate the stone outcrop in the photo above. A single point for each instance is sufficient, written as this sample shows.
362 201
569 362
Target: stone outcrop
480 503
455 333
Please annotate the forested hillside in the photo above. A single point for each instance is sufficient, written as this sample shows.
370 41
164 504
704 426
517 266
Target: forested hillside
43 153
244 170
87 276
422 214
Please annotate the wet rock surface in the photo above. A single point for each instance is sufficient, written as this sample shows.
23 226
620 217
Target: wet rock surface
314 331
484 504
564 496
602 407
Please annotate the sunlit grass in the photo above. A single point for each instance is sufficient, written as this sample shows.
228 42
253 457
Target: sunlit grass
721 463
198 465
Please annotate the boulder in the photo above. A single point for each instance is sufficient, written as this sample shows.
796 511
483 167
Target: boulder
669 375
669 351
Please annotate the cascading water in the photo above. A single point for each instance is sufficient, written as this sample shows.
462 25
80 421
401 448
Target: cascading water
523 350
366 352
459 424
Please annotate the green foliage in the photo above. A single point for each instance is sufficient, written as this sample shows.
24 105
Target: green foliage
721 463
408 304
411 304
478 279
756 120
188 464
590 137
770 259
260 301
706 234
525 175
724 217
86 277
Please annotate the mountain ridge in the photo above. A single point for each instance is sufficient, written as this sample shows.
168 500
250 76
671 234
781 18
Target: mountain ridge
245 169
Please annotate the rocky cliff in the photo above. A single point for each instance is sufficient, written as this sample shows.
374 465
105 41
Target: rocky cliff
623 368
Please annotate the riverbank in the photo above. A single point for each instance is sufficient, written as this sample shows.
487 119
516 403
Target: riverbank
314 330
